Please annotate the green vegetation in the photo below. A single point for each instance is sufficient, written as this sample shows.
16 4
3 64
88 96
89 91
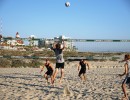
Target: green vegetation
35 61
114 58
14 63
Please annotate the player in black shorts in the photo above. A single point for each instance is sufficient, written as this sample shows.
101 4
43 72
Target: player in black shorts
82 71
58 50
49 70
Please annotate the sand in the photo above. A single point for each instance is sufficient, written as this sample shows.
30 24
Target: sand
28 84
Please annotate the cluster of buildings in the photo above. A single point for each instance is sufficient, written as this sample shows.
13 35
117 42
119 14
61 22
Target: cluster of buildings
18 42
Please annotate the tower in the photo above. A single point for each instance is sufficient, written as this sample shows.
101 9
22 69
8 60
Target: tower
17 35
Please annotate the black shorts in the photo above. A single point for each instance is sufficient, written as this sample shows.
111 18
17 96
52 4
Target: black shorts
49 73
60 65
82 71
126 80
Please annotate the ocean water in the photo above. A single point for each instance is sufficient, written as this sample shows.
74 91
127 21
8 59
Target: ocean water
102 46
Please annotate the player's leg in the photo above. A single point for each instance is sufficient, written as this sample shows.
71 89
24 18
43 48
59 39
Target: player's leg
45 76
62 75
84 76
80 74
55 74
124 89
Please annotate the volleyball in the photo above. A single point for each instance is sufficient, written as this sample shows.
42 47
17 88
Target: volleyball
67 4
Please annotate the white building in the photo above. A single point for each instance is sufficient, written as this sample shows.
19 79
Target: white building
33 42
15 42
48 42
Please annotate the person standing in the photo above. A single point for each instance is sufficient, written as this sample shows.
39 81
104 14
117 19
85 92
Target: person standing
127 74
82 70
58 50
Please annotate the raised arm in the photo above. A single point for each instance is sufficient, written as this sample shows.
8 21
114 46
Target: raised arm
63 45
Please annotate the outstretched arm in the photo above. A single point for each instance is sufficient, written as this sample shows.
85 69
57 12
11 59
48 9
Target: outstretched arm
42 68
122 61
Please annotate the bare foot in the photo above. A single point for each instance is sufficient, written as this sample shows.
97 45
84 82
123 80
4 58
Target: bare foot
48 83
125 98
60 81
52 85
52 82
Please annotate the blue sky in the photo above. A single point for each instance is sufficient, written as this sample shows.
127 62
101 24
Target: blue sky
84 19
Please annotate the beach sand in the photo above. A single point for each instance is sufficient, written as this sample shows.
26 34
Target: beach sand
28 84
